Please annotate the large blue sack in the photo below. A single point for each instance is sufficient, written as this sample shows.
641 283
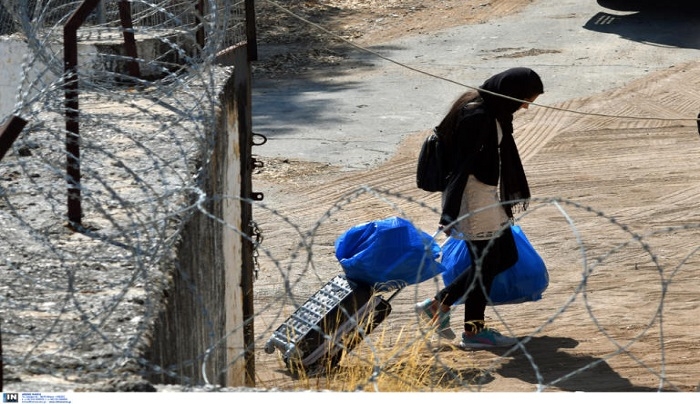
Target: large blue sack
523 282
390 251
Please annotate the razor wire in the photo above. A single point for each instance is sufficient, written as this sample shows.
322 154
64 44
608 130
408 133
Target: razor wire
77 309
381 359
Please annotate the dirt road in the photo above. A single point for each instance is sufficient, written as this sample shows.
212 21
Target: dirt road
615 217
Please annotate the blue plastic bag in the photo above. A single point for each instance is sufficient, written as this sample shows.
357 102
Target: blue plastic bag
523 282
388 251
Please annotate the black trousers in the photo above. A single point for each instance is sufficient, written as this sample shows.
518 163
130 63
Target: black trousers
489 258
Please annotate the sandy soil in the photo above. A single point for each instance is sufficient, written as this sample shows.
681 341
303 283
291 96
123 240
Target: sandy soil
615 217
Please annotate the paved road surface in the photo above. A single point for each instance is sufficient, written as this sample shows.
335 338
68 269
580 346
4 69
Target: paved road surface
356 120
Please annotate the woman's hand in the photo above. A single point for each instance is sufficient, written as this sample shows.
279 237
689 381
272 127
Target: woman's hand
447 231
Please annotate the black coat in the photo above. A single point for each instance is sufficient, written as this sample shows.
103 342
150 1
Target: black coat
475 151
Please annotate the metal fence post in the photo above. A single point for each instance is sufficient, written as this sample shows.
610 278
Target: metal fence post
129 39
70 41
9 132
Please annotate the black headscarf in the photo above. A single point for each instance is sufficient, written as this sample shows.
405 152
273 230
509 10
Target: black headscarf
518 83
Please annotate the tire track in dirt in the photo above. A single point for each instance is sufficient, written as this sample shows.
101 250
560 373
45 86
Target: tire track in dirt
643 173
533 135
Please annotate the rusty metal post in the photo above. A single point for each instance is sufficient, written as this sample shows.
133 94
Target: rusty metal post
129 39
200 36
9 132
251 33
70 43
242 91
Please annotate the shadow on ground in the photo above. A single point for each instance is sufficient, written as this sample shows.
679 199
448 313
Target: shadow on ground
673 23
546 363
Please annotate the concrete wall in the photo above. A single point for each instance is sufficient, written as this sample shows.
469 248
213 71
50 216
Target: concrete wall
12 54
202 335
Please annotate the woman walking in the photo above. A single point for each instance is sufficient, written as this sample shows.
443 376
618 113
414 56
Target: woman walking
482 195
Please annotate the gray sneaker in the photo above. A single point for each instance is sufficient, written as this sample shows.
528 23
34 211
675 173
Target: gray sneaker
487 338
443 320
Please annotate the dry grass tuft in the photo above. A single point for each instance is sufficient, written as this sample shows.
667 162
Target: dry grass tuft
408 364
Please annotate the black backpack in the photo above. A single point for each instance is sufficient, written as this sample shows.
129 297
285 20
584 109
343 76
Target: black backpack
434 168
435 160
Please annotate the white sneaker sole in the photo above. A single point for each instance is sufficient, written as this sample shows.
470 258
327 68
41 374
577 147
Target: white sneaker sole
485 346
